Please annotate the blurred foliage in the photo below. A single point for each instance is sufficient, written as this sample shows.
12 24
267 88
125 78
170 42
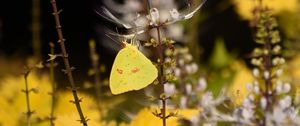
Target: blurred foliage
245 7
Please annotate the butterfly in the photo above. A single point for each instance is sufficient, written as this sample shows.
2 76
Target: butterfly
137 28
131 70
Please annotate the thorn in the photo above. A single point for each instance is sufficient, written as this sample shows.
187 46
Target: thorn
72 101
62 55
80 99
73 68
58 12
69 88
23 91
52 57
64 71
83 121
34 90
63 40
29 112
73 89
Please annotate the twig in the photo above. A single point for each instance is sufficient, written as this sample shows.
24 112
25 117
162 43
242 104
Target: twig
53 93
95 64
68 70
27 91
36 29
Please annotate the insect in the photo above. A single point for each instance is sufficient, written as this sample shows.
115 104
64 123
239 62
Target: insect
131 70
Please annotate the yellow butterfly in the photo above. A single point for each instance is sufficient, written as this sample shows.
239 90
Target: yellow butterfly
131 70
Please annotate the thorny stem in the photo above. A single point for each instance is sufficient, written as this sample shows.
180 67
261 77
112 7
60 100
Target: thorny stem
67 64
27 91
53 93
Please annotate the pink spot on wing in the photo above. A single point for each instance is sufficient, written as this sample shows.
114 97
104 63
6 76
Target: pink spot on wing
135 69
120 71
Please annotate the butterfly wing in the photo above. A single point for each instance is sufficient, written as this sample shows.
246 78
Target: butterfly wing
131 71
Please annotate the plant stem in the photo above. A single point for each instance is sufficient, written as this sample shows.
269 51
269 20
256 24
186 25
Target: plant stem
36 29
53 93
267 67
26 91
95 64
67 64
161 76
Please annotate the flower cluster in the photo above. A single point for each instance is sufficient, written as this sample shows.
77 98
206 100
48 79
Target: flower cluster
137 21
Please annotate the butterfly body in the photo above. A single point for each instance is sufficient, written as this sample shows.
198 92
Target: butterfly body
131 71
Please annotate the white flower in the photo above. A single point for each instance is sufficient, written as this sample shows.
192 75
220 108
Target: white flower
169 89
286 87
177 72
140 21
247 103
255 72
194 67
279 72
257 62
180 62
249 87
207 99
188 88
153 16
188 57
201 84
195 120
174 13
266 74
183 102
278 115
263 102
251 97
285 102
168 60
176 31
256 89
281 60
279 87
247 113
277 49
